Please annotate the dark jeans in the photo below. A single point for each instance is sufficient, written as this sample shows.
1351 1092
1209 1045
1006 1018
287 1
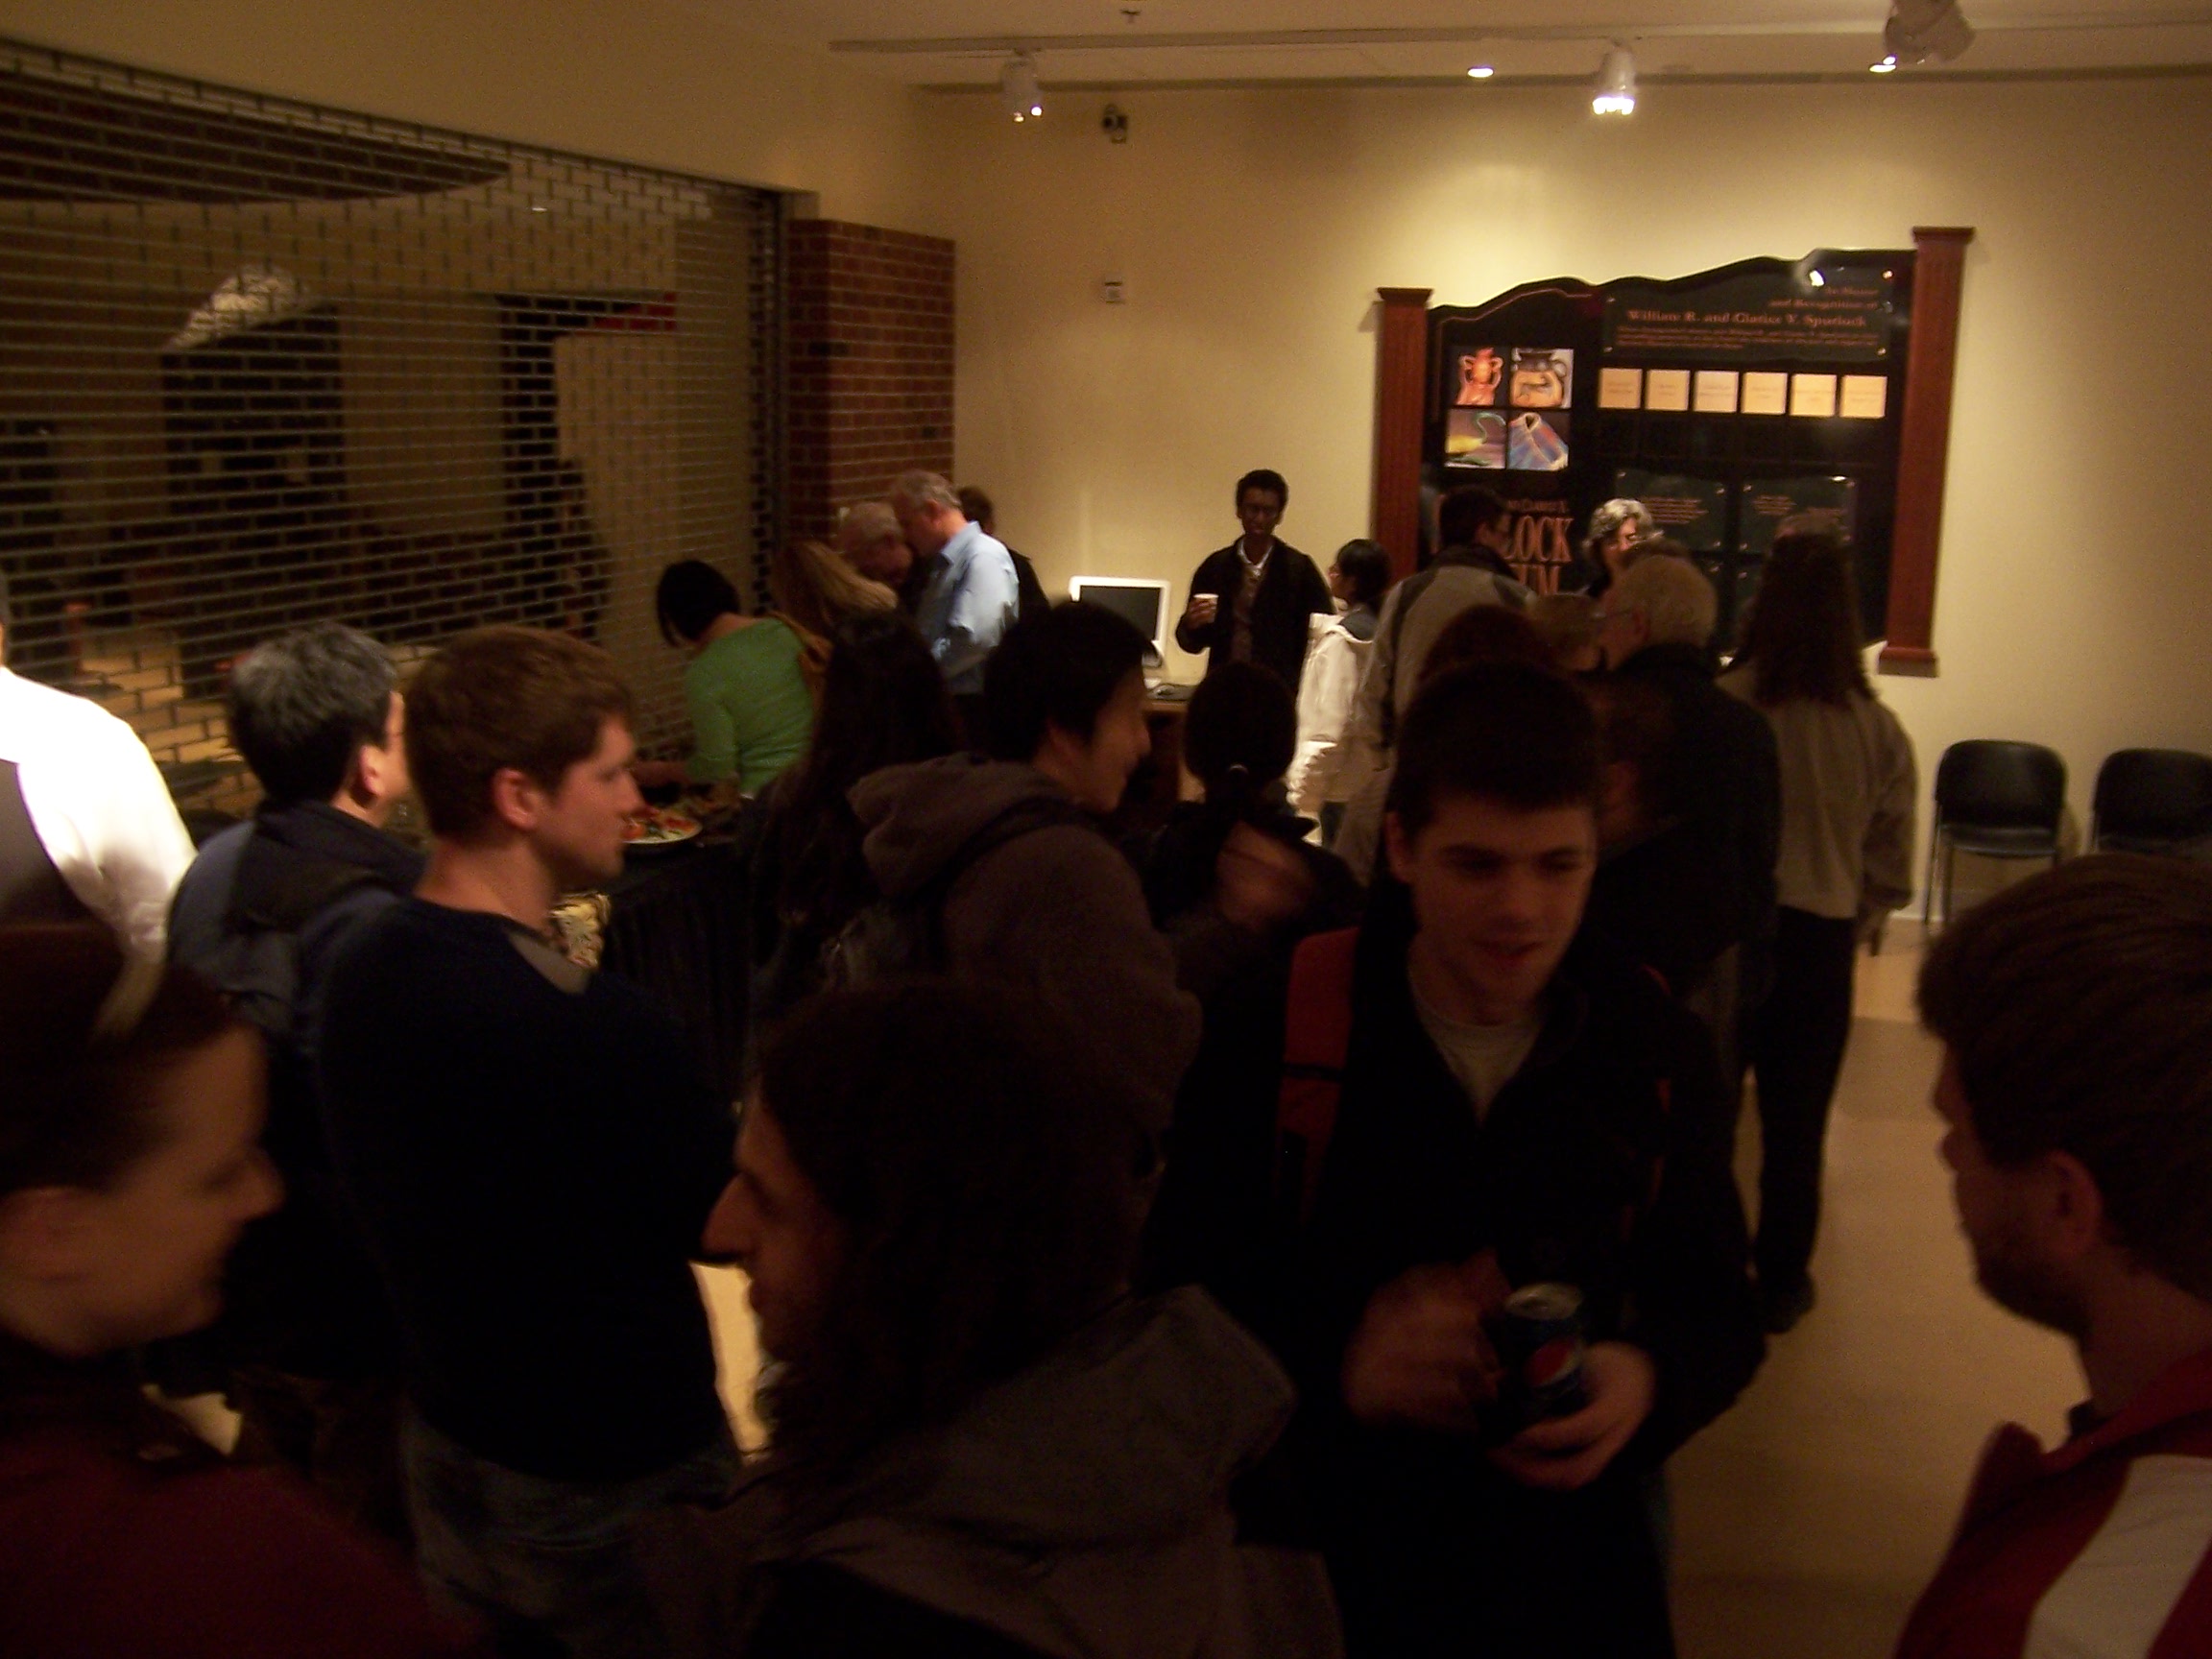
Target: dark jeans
1797 1054
548 1564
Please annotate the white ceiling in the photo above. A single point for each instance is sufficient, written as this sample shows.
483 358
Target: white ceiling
1093 42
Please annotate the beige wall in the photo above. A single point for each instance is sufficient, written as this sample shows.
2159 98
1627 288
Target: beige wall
657 82
1253 229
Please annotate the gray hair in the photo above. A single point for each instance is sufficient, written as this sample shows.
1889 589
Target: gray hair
1610 516
301 704
866 524
1678 603
926 490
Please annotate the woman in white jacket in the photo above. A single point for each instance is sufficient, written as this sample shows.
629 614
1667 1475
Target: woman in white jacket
1336 650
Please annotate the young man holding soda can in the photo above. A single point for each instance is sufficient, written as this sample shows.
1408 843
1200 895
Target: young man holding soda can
1525 1280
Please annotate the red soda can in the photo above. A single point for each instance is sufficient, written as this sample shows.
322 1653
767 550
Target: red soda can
1541 1348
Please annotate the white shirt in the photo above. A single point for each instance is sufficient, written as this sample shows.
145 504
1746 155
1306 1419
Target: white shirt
1484 1058
99 807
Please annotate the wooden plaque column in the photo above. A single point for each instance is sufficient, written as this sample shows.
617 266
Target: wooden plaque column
1938 277
1401 375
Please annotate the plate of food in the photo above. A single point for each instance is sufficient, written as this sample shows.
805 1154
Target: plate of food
659 827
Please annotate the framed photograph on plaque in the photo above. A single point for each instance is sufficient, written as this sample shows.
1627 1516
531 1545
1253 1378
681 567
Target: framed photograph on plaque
1475 438
1481 374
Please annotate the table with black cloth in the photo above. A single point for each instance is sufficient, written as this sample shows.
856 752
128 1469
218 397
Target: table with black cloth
677 932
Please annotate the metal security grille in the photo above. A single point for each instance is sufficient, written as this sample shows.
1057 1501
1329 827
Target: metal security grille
263 364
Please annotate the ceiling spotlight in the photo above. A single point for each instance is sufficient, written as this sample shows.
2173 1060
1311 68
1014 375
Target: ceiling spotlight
1919 30
1480 72
1616 93
1888 66
1018 88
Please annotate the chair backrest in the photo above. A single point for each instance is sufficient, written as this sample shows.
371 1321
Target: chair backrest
1998 784
2154 792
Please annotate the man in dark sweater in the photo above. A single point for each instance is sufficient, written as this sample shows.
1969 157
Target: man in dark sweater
533 1158
261 915
1724 790
1520 1103
1249 601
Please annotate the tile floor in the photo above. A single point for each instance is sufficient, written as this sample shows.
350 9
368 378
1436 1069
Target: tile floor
1809 1517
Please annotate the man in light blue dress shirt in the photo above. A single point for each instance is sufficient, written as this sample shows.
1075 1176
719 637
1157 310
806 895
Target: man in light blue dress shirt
969 596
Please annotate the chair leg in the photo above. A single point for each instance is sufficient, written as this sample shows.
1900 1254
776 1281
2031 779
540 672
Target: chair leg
1950 869
1928 885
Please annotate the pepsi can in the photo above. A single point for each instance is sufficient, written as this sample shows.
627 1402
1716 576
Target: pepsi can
1541 1348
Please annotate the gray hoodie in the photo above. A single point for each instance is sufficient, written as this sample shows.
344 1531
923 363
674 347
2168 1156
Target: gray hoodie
1057 911
1080 1509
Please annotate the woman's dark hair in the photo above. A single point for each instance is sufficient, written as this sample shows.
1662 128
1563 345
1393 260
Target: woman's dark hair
1802 636
1058 669
883 704
1366 566
984 1188
692 594
1240 734
84 1043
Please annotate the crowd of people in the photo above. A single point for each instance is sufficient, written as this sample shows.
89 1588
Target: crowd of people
1299 1222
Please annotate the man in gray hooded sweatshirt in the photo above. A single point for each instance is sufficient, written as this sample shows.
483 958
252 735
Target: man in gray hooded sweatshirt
1007 858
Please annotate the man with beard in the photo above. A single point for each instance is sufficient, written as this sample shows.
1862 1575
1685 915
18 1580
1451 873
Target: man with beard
2076 1013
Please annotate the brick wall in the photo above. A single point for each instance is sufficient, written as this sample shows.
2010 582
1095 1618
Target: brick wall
871 355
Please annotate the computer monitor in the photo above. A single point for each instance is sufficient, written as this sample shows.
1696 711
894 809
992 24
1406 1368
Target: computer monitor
1139 601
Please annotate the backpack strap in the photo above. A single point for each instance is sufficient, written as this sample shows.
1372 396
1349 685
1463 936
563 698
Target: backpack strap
1410 592
1317 1039
1043 812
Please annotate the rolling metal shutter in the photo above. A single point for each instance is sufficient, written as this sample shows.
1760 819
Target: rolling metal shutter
263 364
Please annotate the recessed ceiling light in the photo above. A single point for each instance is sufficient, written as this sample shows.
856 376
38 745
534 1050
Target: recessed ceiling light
1482 72
1888 66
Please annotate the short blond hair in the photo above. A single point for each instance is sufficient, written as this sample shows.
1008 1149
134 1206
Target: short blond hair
1677 604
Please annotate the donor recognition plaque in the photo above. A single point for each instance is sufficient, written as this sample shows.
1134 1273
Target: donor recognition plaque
1732 402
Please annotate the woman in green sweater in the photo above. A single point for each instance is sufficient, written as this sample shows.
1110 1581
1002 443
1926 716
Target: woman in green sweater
751 712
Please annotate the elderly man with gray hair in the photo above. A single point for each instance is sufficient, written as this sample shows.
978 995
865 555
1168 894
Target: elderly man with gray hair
967 594
870 540
1655 628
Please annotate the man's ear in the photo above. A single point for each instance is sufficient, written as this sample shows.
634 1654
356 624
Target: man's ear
45 1232
1398 847
2071 1208
516 799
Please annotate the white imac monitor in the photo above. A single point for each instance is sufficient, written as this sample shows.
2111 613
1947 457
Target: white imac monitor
1139 601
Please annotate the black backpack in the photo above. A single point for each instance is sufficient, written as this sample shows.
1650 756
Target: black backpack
900 938
279 890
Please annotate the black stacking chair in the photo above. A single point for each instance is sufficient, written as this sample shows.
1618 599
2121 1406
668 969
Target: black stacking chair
1995 799
2152 801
